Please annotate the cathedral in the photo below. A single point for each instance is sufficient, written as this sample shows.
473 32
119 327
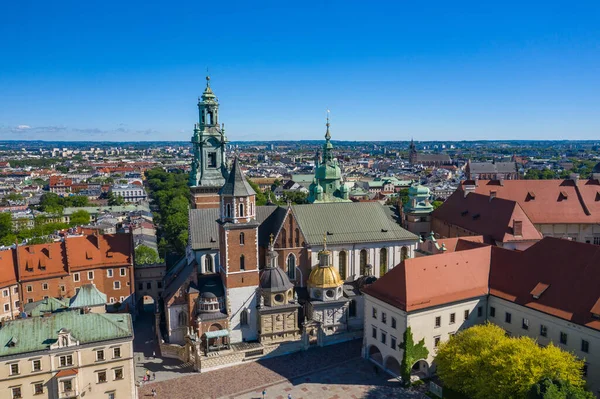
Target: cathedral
266 280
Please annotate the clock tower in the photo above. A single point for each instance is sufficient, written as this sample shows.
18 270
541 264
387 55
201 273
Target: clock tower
209 167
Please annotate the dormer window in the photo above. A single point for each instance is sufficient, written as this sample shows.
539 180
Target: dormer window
539 289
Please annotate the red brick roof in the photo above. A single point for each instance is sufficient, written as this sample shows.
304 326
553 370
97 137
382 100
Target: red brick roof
428 281
8 270
492 218
550 201
66 373
570 270
562 274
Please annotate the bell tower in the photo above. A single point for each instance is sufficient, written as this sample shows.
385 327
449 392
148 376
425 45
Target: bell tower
209 167
238 243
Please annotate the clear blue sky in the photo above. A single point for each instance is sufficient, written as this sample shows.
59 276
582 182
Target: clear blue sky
126 70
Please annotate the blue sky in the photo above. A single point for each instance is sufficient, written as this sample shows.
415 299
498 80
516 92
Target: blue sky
128 70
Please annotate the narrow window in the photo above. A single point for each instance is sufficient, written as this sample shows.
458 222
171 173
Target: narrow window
508 318
297 236
383 337
291 267
393 322
242 238
228 210
438 321
525 324
479 311
382 261
374 313
342 264
363 262
585 346
452 318
212 159
374 332
244 318
393 342
208 263
241 210
492 311
543 330
436 341
466 314
563 338
242 263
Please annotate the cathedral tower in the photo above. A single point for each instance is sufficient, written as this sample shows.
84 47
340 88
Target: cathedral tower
238 242
209 167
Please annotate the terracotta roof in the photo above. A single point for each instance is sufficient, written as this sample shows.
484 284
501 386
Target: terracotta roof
108 249
569 270
550 201
461 243
66 373
41 260
8 271
427 281
492 218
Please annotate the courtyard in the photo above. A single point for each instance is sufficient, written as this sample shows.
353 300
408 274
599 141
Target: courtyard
333 372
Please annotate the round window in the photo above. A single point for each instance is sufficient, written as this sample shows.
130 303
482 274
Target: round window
329 293
279 298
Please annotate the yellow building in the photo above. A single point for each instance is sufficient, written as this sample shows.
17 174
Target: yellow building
67 355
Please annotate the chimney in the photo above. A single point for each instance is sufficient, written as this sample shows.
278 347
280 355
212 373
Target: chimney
574 177
492 195
468 188
517 227
501 180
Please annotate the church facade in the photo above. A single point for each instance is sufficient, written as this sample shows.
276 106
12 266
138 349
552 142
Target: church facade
247 286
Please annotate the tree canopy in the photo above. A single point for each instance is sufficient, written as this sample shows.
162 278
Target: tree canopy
53 203
558 389
482 362
80 217
145 255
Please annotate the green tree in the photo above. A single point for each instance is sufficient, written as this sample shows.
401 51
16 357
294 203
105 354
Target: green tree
403 195
261 198
6 233
115 200
558 389
412 354
80 217
145 255
295 197
482 362
437 204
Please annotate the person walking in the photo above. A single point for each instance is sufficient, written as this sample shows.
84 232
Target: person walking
153 376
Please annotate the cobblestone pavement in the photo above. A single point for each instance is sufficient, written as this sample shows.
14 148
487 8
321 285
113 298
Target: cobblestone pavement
253 375
352 380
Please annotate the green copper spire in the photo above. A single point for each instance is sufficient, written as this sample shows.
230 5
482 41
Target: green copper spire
327 185
209 168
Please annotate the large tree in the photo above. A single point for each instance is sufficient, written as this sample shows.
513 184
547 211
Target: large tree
80 217
145 255
558 389
482 362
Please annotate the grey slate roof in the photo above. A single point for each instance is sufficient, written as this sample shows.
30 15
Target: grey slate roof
38 333
236 184
204 229
274 279
497 167
348 222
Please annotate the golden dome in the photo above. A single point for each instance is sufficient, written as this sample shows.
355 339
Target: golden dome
324 277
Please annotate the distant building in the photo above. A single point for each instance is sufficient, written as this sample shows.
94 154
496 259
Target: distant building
60 185
129 192
416 158
491 170
60 356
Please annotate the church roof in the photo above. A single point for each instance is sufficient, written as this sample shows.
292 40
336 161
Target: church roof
348 222
274 279
236 184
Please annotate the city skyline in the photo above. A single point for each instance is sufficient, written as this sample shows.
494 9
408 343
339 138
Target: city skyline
390 72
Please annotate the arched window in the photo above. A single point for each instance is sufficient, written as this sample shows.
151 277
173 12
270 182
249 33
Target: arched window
242 238
382 261
342 262
244 318
363 262
283 238
182 319
352 308
403 254
208 264
241 210
242 263
209 118
291 266
228 210
297 237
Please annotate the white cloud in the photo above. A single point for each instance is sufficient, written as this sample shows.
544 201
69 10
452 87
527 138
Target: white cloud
23 127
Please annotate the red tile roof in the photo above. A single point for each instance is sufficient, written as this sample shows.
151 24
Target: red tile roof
66 373
550 201
89 251
492 218
428 281
569 269
8 270
41 260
